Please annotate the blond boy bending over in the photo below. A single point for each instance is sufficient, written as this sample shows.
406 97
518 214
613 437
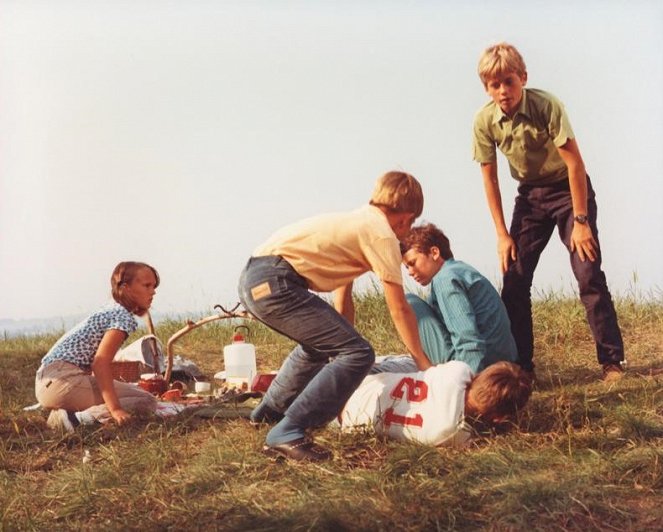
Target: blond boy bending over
322 254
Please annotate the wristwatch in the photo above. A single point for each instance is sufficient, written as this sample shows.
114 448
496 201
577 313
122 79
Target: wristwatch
580 218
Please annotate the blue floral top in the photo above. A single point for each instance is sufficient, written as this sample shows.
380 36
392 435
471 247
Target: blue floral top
80 344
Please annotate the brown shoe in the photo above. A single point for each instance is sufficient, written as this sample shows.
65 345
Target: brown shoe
300 449
612 372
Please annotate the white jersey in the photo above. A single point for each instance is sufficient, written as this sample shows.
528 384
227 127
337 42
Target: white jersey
424 406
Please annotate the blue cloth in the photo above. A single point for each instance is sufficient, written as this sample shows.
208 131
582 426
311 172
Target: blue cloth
79 345
309 389
464 319
283 432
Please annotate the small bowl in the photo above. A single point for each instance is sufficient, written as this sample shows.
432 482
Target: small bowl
156 385
171 395
203 387
178 385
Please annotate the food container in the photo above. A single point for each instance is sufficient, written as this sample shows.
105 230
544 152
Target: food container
173 394
240 361
203 387
153 383
262 381
126 370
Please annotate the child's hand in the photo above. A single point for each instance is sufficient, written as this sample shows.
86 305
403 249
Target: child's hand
506 250
120 416
582 241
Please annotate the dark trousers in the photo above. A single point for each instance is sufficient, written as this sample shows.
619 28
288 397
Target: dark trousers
537 211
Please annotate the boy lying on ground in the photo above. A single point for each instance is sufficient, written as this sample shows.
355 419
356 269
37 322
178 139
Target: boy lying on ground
437 406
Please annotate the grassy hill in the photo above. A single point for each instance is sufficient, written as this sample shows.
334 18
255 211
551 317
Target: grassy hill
585 455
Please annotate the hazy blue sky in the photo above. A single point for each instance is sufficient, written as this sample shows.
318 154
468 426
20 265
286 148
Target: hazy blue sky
182 133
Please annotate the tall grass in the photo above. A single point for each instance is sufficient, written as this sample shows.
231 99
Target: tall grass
584 455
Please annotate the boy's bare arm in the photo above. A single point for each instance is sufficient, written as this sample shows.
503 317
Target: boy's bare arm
582 239
506 247
406 323
344 304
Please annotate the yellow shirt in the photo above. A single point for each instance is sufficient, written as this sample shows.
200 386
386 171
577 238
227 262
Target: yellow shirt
331 250
529 139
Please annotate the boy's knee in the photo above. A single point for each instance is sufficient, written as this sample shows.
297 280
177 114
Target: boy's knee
420 307
515 283
590 279
364 355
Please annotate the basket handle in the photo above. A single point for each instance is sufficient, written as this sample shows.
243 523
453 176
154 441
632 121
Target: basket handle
152 342
191 325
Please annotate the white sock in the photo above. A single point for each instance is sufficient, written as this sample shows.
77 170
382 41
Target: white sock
84 417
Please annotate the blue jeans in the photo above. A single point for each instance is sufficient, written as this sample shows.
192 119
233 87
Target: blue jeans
537 211
309 388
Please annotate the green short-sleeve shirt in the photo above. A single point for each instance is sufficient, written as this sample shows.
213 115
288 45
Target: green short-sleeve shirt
529 139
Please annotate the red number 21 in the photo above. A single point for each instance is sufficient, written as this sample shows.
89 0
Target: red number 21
416 391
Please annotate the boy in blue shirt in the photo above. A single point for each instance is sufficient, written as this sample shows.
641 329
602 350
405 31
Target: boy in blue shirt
532 130
464 318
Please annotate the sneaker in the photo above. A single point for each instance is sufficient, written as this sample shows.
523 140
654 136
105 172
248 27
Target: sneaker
612 372
62 420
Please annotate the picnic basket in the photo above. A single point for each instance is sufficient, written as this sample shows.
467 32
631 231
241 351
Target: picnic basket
126 370
131 370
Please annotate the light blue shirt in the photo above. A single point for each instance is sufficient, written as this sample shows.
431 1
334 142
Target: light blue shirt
79 345
475 325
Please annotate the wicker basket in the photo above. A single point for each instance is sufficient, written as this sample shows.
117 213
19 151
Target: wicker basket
126 371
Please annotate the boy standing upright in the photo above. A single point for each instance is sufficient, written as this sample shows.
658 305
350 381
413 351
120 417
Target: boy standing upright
532 130
326 253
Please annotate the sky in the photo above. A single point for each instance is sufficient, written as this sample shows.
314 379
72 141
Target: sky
182 133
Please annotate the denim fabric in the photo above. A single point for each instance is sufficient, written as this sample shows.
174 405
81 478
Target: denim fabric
394 364
309 388
537 211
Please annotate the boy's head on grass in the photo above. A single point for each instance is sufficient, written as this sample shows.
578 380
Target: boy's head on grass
133 285
424 251
497 393
400 197
503 74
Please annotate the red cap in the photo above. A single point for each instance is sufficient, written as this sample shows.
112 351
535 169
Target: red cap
238 337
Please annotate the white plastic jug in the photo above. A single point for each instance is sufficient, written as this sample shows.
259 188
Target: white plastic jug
240 361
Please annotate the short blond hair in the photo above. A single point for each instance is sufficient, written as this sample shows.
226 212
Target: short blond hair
500 60
500 391
398 192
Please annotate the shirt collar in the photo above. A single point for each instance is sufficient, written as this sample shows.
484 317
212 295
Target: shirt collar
500 115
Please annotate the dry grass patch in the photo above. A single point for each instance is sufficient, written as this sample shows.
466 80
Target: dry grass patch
585 455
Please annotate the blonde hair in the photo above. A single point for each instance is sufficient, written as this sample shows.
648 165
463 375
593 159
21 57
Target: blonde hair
500 391
398 192
122 276
499 60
